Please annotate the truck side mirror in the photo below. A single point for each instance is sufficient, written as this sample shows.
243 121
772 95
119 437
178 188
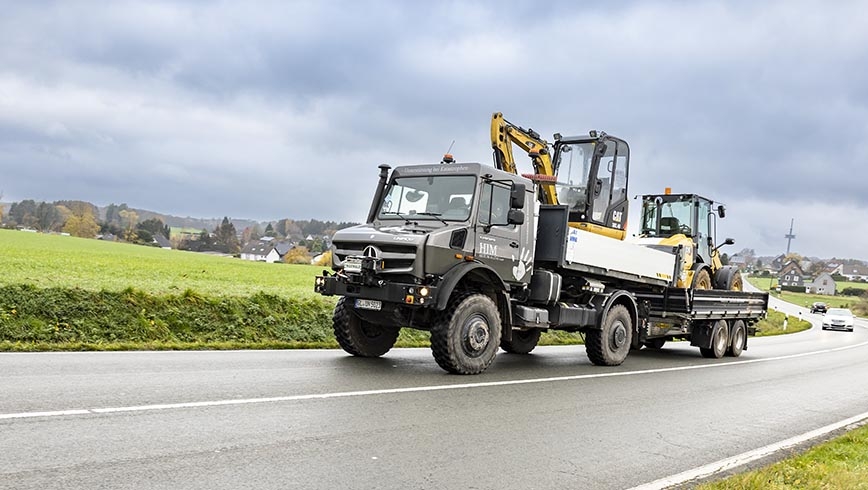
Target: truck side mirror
721 211
516 196
515 217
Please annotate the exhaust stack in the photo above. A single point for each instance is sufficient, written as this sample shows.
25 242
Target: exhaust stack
378 195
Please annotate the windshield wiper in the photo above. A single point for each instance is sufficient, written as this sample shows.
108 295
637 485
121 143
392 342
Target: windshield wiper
409 222
436 215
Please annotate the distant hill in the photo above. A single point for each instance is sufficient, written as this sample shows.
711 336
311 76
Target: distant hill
187 222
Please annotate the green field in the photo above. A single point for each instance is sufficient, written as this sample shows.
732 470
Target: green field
804 299
63 261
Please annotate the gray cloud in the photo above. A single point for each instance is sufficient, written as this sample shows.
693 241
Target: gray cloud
284 109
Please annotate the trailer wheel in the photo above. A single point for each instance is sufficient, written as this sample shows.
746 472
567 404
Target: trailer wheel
719 341
523 341
701 280
359 337
465 337
739 334
610 345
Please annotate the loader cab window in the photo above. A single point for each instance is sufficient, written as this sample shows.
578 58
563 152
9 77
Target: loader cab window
432 198
703 230
675 217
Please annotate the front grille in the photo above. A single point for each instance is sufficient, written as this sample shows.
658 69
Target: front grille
397 258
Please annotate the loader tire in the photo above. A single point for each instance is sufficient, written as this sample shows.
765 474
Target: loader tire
610 345
701 280
359 337
466 336
523 341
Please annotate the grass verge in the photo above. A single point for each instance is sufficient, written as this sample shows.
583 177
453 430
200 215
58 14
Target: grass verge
773 324
838 464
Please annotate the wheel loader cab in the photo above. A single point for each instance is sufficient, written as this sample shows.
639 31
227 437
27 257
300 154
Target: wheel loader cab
677 219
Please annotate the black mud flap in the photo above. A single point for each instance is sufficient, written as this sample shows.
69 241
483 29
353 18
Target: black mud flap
701 335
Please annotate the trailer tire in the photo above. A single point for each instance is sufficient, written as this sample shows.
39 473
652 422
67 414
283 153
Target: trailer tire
719 341
610 345
523 341
466 336
737 339
359 337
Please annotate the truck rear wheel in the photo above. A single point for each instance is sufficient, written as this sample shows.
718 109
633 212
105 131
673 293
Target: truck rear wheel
359 337
719 341
466 336
523 341
610 345
736 344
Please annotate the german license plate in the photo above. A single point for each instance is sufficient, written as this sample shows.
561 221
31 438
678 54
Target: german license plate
353 264
369 304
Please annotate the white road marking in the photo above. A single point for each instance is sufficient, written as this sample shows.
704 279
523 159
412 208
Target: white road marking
415 389
744 458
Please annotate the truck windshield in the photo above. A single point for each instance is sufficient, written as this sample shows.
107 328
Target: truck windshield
675 217
439 198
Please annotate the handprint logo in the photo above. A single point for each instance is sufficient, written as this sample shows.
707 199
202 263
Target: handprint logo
519 270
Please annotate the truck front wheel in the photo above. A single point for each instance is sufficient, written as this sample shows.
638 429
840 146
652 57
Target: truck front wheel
359 337
610 345
466 336
523 341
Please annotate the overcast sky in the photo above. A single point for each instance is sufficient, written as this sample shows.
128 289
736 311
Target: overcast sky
284 109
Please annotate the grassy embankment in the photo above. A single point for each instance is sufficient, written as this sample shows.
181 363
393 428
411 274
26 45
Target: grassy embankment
66 293
838 464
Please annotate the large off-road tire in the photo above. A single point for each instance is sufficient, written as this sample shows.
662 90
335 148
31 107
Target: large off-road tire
729 278
737 339
701 279
610 345
465 337
523 341
736 283
719 341
359 337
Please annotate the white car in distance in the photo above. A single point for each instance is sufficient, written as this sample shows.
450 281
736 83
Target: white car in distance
838 319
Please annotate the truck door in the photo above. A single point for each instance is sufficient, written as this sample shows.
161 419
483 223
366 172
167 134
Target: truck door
504 247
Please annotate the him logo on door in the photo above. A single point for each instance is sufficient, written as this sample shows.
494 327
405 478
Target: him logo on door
487 249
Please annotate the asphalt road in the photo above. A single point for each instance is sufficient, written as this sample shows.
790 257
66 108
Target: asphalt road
322 419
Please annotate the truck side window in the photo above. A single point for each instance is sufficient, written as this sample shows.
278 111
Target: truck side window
494 204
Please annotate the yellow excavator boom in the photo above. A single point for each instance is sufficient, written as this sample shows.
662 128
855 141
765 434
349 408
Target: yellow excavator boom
504 134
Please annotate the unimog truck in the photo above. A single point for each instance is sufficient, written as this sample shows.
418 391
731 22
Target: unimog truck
469 253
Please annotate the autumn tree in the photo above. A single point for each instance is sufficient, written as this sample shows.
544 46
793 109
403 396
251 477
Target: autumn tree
298 255
81 222
129 220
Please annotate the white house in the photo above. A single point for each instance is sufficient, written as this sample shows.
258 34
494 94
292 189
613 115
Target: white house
822 284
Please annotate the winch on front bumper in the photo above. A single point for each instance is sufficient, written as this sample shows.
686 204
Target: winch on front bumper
361 281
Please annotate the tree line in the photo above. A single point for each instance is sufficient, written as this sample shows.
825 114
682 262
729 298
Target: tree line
83 219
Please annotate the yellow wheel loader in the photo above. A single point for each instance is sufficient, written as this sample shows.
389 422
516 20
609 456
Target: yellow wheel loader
689 222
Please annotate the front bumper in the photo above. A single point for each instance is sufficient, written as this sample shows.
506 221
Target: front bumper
389 292
837 326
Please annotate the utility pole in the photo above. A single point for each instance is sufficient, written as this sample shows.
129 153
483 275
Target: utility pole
789 236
